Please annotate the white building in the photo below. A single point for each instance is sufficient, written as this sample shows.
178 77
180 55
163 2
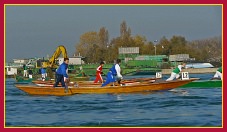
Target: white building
179 57
10 70
20 61
77 60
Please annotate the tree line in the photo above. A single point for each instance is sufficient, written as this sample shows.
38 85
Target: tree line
96 46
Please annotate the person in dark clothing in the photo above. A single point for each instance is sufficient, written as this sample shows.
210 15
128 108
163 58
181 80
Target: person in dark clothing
61 73
30 72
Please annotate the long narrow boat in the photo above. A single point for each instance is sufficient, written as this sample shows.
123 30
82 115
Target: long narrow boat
50 83
203 84
127 88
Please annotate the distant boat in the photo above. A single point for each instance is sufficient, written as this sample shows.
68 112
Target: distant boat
203 84
199 65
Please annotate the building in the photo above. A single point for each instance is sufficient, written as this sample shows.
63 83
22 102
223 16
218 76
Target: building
11 69
76 60
20 61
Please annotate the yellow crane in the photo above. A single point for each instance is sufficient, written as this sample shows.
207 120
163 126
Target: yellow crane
51 62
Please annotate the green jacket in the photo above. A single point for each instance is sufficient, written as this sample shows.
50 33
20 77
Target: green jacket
220 69
25 67
177 70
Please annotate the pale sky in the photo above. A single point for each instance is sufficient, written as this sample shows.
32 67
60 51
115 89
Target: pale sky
35 31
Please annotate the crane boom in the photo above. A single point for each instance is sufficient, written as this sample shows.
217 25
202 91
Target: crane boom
60 50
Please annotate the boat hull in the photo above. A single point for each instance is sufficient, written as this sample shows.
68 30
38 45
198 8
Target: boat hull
203 84
128 88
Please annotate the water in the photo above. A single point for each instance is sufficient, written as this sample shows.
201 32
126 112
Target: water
191 107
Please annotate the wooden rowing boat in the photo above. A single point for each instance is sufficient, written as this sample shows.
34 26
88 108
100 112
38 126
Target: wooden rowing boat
96 89
50 83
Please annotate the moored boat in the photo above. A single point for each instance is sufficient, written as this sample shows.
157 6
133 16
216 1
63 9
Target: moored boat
21 79
203 84
97 89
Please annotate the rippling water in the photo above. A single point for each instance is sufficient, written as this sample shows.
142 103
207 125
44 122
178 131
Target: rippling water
191 107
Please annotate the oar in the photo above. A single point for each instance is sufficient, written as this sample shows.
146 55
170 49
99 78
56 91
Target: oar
66 86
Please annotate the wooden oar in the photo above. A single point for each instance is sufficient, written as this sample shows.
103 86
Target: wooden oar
66 85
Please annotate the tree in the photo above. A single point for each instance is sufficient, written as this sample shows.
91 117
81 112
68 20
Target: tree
88 43
147 49
123 29
165 46
125 35
103 44
206 50
178 45
96 47
104 37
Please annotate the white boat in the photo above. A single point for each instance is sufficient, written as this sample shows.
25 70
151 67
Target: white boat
199 65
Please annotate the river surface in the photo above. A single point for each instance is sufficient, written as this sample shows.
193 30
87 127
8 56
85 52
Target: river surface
181 107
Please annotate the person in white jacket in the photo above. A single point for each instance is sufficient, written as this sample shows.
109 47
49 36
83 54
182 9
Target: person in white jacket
176 72
118 70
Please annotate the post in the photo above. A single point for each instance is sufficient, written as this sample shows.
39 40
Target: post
155 42
155 50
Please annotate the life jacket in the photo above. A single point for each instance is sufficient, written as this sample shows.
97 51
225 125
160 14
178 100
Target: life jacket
113 70
176 70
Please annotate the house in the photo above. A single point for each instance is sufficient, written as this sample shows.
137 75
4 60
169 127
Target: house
11 69
76 60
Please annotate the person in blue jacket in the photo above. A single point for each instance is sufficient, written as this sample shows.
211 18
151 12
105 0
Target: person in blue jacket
61 73
115 70
43 73
109 78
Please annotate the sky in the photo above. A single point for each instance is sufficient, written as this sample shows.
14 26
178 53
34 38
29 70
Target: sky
36 31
